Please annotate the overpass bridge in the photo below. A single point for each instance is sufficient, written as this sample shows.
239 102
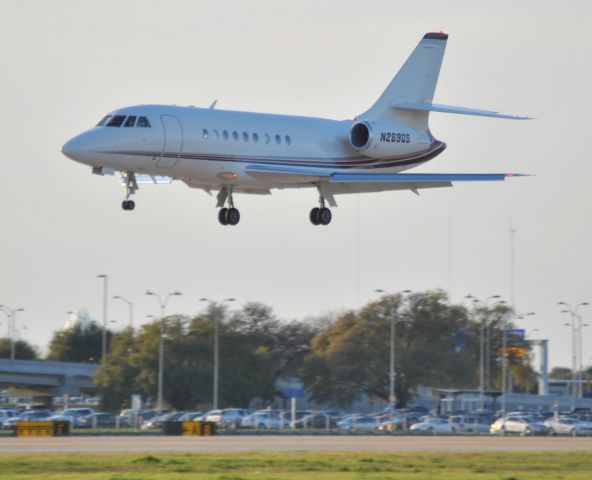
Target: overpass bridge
55 378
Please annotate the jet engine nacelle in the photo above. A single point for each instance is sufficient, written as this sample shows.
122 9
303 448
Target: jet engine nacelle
386 139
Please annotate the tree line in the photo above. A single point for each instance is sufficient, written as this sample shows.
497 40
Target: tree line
338 360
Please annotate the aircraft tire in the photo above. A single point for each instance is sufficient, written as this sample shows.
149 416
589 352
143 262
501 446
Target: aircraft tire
325 216
223 216
314 216
233 216
128 205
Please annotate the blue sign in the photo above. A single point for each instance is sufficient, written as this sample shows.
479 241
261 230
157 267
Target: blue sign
515 337
293 392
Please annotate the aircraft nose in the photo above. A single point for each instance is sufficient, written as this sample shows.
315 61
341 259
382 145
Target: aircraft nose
73 148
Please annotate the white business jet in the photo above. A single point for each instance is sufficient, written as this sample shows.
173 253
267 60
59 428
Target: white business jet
242 152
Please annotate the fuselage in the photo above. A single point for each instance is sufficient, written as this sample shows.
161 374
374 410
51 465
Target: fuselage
211 148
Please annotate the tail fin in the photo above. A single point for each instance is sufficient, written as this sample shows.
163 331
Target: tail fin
414 83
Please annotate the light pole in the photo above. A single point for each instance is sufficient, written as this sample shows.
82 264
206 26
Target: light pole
575 331
505 357
392 358
161 341
11 326
131 309
484 305
216 348
104 339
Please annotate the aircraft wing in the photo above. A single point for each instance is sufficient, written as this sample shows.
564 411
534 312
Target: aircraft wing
333 176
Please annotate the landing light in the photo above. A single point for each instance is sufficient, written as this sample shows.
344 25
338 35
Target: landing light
228 175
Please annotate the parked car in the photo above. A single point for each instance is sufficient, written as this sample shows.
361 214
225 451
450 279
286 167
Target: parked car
135 418
275 419
434 425
521 425
72 415
7 413
398 422
568 426
229 417
158 421
358 423
97 420
190 416
299 415
317 420
471 423
28 416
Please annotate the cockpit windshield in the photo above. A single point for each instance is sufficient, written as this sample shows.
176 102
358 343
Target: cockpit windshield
122 120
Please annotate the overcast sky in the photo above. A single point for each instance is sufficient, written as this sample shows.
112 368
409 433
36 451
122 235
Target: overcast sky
66 63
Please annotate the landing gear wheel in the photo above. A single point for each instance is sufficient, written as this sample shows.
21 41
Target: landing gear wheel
325 216
314 216
232 216
128 205
223 216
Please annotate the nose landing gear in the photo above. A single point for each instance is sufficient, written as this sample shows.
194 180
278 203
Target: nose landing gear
128 181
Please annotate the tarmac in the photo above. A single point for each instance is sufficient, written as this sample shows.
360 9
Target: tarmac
224 443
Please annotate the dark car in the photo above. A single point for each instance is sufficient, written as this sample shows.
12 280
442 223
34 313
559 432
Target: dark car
97 420
316 420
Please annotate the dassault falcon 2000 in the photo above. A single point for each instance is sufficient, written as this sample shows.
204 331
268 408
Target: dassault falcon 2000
242 152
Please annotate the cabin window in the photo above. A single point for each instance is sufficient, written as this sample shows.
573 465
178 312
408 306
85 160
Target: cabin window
116 121
205 133
225 135
216 135
267 139
104 120
245 137
255 137
130 121
278 139
143 122
288 140
235 136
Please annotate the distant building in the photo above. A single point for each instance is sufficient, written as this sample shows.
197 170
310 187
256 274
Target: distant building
79 319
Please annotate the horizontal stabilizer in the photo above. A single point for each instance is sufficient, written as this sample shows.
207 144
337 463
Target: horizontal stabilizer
435 107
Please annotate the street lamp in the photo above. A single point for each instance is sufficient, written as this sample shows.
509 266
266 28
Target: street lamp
104 339
505 358
392 372
161 341
131 308
484 305
216 348
11 326
576 346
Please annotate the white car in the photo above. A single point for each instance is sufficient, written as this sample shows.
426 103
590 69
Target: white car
470 423
568 426
72 415
359 423
229 417
266 419
434 425
521 425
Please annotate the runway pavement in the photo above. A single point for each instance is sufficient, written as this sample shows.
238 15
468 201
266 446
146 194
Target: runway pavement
286 443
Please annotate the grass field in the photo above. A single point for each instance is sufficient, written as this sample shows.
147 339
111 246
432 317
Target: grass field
299 465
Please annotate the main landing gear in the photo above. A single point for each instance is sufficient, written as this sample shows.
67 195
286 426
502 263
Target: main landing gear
227 215
320 215
130 186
